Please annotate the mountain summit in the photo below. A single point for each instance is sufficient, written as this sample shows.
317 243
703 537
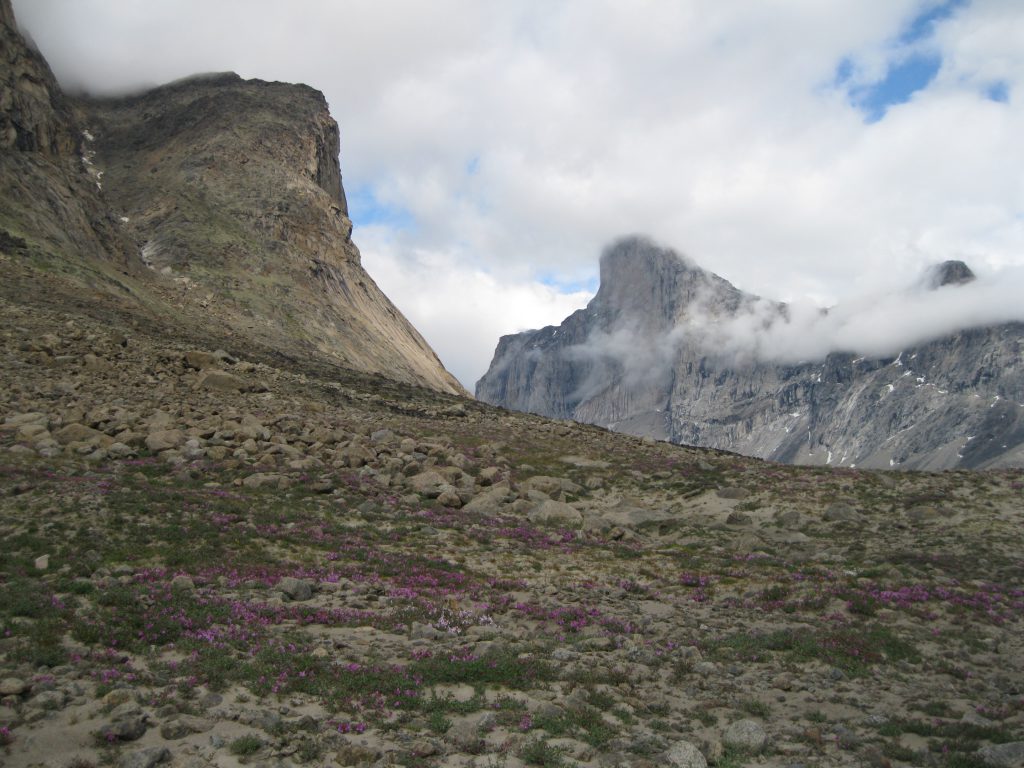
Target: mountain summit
668 350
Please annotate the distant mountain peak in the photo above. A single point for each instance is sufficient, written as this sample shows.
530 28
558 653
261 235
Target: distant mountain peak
948 273
672 351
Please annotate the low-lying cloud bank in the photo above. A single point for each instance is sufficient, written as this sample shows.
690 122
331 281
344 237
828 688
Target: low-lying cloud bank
872 326
768 332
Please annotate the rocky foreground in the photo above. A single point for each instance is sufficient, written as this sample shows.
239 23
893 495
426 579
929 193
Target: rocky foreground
209 560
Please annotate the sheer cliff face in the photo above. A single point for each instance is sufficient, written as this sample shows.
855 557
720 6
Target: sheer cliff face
232 189
642 358
34 116
50 210
212 204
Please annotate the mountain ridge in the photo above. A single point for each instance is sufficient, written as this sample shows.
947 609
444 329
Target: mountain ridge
659 362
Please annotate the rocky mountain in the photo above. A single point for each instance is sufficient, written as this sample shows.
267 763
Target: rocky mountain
645 357
213 203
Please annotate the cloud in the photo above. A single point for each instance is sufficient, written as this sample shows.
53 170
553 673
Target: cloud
460 308
874 326
762 331
513 140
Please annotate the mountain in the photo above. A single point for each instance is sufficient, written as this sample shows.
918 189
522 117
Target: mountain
212 203
647 357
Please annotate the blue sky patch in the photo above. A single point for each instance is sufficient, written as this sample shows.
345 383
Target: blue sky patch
998 91
366 210
922 25
909 71
903 80
563 285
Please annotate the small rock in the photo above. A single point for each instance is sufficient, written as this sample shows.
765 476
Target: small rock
49 700
382 437
745 735
78 433
429 484
295 589
164 439
200 361
120 451
128 729
12 686
181 581
738 518
449 497
420 631
656 609
174 729
840 512
488 475
490 501
555 512
184 725
1009 755
145 758
683 754
222 381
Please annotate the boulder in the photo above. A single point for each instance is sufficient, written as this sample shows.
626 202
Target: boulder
552 512
12 686
683 754
295 589
145 758
164 439
490 501
428 484
200 361
746 736
552 486
840 512
221 381
79 433
1008 755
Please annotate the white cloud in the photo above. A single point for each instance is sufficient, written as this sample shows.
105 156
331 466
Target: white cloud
874 326
462 309
714 127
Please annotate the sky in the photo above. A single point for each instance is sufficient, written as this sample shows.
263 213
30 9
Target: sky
806 151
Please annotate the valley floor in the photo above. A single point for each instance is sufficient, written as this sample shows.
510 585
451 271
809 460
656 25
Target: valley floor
210 561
